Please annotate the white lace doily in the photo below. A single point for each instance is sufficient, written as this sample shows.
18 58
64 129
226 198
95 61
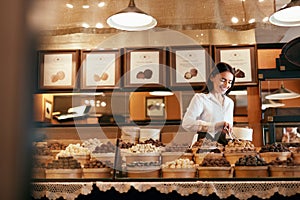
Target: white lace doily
223 189
55 190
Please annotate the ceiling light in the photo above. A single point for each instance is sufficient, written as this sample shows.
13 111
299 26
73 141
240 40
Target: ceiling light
161 93
251 21
282 94
101 4
85 6
85 25
131 19
288 15
234 20
265 19
103 104
69 5
99 25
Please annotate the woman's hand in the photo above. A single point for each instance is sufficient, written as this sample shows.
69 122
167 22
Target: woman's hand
223 125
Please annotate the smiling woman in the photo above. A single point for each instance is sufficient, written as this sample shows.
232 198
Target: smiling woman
211 113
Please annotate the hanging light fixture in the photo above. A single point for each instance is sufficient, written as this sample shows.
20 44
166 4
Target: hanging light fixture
267 103
282 93
288 15
131 19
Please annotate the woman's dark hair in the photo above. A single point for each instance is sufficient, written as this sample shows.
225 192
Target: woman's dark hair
219 68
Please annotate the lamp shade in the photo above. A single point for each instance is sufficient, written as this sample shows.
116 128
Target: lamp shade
267 103
282 94
131 19
288 15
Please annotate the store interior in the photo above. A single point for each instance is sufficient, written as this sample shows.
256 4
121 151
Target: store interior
109 112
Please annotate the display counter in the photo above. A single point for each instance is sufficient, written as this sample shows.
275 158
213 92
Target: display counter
241 189
238 170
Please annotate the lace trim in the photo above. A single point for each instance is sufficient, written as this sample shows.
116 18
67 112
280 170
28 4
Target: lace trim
53 190
223 189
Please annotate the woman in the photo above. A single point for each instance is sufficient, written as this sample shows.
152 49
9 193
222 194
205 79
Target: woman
211 112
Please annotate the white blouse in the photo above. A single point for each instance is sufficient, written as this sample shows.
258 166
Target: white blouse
204 111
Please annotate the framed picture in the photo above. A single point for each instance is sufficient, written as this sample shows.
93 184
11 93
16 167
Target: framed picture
57 69
144 67
242 58
189 65
47 110
155 107
100 69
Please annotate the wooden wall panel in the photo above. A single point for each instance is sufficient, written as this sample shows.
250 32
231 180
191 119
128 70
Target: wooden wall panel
292 84
266 58
137 106
254 115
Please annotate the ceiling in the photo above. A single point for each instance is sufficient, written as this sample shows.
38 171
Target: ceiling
53 17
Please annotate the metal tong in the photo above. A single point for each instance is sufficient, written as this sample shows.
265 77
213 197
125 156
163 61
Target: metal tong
231 135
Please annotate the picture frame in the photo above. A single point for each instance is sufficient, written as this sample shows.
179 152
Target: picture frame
145 67
243 59
48 109
57 69
189 65
100 69
155 107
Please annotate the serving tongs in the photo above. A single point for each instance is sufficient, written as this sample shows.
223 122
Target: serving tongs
231 134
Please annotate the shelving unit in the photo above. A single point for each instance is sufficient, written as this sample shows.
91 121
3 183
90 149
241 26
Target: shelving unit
285 70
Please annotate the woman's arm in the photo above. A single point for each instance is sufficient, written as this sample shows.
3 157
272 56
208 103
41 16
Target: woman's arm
190 120
229 116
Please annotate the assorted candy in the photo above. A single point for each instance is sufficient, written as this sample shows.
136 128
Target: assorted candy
66 158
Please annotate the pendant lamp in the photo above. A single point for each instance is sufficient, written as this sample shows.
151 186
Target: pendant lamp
282 94
267 103
288 15
131 19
